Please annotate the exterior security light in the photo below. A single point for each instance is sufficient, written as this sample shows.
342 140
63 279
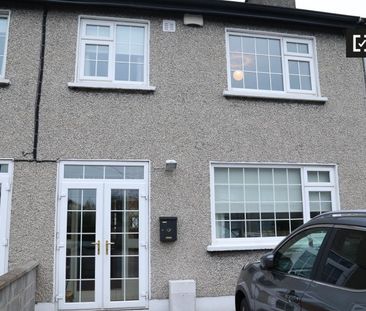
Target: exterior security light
170 165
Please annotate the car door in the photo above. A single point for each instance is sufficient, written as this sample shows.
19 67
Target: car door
282 287
340 282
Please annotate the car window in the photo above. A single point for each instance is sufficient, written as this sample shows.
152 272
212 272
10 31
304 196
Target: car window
345 263
297 256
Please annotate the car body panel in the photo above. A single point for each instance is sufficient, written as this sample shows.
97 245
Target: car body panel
267 290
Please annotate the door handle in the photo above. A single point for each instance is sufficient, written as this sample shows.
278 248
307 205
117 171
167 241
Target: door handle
98 246
107 246
292 297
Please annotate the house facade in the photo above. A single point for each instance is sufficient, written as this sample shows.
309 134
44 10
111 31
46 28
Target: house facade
256 103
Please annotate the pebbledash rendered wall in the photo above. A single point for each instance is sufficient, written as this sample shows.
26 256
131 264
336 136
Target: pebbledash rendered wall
187 119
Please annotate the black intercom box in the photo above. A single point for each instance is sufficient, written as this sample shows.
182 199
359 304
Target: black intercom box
168 229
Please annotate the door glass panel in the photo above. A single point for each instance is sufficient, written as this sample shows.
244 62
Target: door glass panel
124 268
3 168
298 255
80 252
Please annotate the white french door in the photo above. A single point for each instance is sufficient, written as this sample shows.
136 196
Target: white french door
5 187
102 244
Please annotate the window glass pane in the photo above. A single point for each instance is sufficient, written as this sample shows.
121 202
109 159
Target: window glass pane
222 229
297 256
3 168
304 68
235 43
280 176
2 45
249 62
291 47
264 82
236 193
237 80
306 83
103 51
104 31
293 67
250 80
221 175
73 171
97 31
221 193
134 172
3 25
324 176
236 175
294 82
277 82
274 47
263 63
115 172
94 172
251 175
102 69
136 72
313 176
123 34
265 176
91 51
137 35
303 48
92 30
345 263
294 177
122 53
248 45
276 64
261 46
122 72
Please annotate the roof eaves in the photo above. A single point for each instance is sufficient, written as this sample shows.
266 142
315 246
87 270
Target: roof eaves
224 8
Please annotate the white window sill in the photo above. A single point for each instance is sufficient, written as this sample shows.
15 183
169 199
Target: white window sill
110 86
4 82
285 96
233 247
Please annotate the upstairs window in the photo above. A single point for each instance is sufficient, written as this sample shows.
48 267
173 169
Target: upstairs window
113 51
4 28
271 64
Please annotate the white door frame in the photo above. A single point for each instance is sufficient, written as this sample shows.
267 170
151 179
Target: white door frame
5 204
60 252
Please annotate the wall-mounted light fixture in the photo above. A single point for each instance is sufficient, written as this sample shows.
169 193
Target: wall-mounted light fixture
170 165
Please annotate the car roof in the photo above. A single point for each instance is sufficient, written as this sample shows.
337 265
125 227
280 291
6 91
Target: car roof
351 218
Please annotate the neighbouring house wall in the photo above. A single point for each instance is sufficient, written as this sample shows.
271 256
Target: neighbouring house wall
187 119
18 287
17 100
32 225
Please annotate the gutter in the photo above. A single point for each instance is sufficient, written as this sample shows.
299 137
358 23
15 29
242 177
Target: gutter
222 8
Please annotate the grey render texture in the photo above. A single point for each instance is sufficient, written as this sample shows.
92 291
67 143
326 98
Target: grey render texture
187 119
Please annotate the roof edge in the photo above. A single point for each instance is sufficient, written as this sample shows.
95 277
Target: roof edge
222 8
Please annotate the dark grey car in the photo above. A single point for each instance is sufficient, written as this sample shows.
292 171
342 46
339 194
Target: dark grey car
319 267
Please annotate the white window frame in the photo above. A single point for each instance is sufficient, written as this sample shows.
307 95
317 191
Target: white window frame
5 13
108 82
6 180
231 244
287 93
